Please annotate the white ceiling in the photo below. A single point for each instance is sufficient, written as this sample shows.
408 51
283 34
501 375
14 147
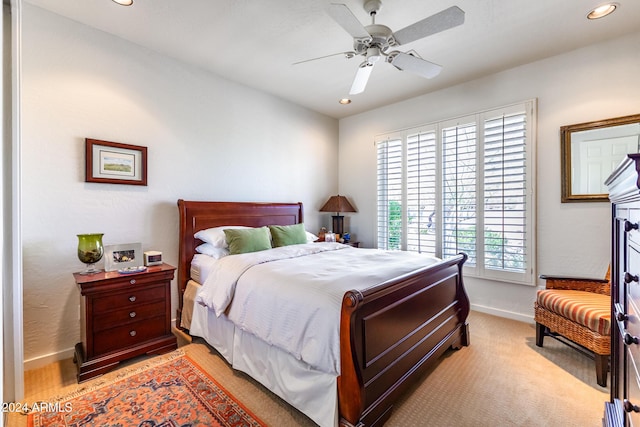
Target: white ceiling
255 42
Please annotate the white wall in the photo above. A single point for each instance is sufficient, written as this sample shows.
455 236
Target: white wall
207 139
589 84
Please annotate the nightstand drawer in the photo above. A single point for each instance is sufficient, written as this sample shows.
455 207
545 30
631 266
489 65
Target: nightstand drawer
135 313
127 335
128 299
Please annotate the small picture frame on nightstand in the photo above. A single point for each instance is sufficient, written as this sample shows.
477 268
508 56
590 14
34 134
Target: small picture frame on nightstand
118 257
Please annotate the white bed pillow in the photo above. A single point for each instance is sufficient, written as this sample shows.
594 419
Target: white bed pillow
212 251
311 237
215 236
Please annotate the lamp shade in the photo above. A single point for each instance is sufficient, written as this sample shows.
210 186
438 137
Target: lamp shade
337 204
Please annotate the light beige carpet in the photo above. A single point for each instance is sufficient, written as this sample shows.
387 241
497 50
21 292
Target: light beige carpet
501 379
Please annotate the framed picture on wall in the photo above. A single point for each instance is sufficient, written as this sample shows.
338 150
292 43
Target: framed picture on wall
115 163
122 257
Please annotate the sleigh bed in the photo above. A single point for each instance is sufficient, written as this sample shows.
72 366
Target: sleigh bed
389 333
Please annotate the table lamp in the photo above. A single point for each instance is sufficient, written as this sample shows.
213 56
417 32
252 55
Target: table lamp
338 204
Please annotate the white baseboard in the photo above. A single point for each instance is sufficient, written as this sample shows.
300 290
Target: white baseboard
504 313
40 361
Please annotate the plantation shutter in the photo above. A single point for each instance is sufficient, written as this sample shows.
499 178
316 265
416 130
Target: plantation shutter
421 192
459 182
463 185
505 210
389 186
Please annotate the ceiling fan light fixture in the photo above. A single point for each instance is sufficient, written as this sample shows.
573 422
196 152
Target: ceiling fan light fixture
602 11
344 101
124 2
373 55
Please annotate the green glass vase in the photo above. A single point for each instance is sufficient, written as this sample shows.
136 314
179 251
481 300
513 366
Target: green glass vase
90 251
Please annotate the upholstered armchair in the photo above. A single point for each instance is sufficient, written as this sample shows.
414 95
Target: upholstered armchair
577 311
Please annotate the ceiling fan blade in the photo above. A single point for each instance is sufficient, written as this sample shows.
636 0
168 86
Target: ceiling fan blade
448 18
347 20
347 55
361 79
406 62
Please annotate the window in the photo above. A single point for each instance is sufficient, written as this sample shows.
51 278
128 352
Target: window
462 185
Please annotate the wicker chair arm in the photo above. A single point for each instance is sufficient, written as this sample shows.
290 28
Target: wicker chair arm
598 286
577 279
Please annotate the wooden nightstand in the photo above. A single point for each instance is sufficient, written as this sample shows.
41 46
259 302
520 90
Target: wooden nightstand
123 316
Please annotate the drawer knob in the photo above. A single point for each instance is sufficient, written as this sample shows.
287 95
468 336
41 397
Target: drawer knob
132 333
630 407
132 314
132 281
628 278
132 298
630 339
628 226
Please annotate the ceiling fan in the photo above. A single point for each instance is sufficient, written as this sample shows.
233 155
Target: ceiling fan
374 41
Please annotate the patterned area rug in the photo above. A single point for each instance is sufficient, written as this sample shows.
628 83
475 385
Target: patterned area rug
175 393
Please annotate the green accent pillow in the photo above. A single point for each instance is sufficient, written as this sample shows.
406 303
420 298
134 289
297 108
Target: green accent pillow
246 240
285 235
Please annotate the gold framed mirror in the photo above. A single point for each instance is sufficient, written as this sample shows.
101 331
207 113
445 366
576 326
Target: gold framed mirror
591 151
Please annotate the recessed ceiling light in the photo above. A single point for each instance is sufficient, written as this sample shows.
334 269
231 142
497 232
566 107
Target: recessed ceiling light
124 2
602 11
345 101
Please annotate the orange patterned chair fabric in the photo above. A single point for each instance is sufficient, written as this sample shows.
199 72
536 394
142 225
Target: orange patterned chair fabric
586 308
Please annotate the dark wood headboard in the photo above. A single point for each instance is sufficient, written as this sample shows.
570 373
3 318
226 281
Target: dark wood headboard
198 215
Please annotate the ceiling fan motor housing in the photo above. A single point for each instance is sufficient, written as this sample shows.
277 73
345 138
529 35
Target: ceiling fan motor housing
381 38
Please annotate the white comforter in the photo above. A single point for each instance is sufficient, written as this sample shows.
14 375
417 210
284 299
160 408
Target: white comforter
291 296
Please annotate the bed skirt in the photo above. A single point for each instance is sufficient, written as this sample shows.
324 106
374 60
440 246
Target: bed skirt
312 392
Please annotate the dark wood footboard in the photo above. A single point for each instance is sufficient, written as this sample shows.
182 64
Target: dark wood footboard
390 334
